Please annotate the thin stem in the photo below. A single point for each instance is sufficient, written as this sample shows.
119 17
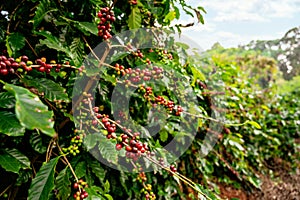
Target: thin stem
49 150
12 14
185 180
68 163
203 117
86 42
3 192
32 49
93 113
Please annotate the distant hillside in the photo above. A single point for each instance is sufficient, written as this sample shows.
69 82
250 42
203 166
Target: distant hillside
285 50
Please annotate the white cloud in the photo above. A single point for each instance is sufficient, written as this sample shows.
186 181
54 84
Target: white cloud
251 10
222 13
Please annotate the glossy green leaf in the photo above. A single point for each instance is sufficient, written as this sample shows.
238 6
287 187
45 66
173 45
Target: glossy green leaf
135 18
197 75
23 177
63 185
90 142
163 135
43 183
170 16
41 11
52 91
13 160
77 49
97 169
108 197
94 193
53 42
106 186
30 111
36 142
14 42
80 169
10 125
87 27
7 100
107 150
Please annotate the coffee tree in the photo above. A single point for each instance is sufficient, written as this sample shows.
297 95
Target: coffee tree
103 100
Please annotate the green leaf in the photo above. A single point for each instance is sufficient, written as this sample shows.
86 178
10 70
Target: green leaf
201 9
41 11
63 185
36 142
13 160
255 181
23 177
77 49
170 16
134 19
108 197
80 169
163 135
205 193
93 192
14 42
97 169
7 100
107 150
177 12
30 111
53 42
255 124
52 91
43 184
10 125
196 75
199 16
106 186
90 142
182 45
87 27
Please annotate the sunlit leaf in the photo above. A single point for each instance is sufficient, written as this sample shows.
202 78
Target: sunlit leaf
43 183
30 111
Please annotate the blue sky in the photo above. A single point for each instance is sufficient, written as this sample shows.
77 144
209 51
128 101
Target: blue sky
234 22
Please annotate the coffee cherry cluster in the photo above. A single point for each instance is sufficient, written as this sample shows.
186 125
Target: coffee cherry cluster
106 17
11 65
138 75
120 69
165 55
169 105
147 190
135 148
110 127
80 193
173 168
159 100
142 177
138 53
43 67
76 143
